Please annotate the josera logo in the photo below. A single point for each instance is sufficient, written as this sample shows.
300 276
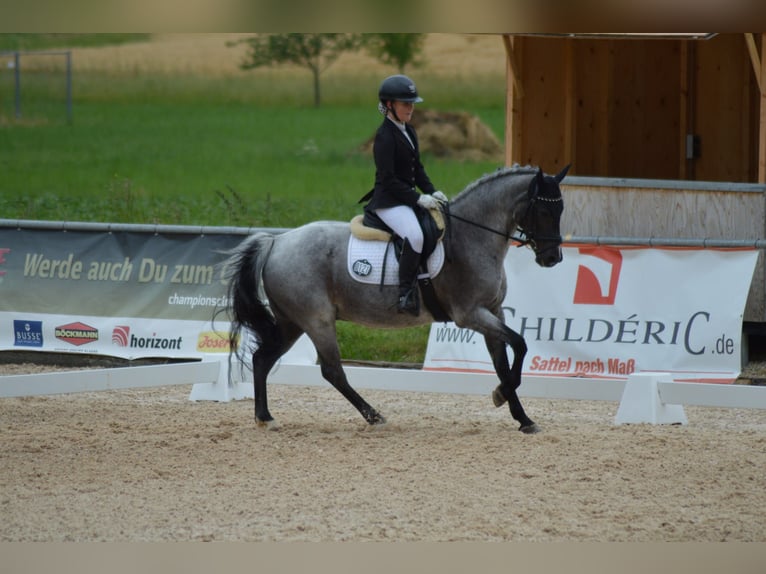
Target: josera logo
597 282
213 342
27 333
76 333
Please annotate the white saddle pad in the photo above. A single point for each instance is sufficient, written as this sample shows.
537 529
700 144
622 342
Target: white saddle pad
365 262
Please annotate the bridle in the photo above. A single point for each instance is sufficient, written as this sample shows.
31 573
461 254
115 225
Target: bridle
528 236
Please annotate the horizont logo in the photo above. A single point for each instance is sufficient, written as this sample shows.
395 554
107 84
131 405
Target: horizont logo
597 282
121 336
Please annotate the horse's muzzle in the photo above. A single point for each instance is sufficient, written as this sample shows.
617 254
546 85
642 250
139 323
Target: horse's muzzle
549 256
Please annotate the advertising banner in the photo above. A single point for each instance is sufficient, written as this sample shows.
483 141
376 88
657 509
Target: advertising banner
120 293
607 312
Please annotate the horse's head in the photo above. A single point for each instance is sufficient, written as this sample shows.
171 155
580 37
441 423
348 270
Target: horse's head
542 217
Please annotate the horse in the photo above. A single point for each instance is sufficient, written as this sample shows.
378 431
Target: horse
282 285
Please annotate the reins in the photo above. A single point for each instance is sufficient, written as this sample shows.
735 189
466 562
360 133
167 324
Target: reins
508 236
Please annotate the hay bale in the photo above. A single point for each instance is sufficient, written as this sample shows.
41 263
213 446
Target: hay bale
453 135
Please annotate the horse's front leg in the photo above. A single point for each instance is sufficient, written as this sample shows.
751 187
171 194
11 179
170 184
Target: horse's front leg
497 335
510 377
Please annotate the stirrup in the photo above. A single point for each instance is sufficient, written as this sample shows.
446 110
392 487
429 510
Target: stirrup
409 302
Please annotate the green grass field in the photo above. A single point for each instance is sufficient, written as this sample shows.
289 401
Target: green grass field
199 151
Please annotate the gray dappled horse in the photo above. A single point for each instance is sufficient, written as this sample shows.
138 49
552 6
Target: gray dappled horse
284 285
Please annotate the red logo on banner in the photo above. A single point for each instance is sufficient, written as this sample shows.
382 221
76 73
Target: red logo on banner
3 251
120 335
76 333
597 282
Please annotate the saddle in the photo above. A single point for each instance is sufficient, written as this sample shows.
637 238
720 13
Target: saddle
369 227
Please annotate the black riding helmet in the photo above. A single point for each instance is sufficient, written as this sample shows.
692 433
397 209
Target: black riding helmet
398 87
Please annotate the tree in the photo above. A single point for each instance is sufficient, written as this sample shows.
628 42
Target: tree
313 51
398 50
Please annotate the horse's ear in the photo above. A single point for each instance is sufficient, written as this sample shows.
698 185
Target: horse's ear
537 184
562 173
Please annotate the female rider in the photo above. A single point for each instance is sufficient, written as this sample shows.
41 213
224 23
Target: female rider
398 171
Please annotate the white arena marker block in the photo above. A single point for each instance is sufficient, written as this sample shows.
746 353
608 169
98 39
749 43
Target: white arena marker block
641 402
224 390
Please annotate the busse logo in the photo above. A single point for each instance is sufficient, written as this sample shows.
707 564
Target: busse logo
76 333
28 333
597 282
213 342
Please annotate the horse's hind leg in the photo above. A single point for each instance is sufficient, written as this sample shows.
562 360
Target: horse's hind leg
332 370
264 358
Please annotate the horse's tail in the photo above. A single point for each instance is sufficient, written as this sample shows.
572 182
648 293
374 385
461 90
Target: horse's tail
248 304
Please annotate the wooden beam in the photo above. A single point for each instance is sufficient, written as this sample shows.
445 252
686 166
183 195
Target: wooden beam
754 58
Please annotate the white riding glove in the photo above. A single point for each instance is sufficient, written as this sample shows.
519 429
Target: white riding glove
428 201
438 195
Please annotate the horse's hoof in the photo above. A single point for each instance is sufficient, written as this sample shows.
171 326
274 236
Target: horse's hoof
376 419
267 425
497 398
530 429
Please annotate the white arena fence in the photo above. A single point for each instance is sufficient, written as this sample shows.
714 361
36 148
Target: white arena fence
651 397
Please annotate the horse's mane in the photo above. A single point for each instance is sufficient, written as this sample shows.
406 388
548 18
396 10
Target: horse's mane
499 173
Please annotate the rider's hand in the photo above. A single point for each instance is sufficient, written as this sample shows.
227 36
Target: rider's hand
428 201
438 195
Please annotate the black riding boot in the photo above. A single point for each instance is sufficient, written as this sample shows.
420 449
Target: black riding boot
409 302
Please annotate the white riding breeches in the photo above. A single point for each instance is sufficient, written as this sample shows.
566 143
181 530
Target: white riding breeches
401 218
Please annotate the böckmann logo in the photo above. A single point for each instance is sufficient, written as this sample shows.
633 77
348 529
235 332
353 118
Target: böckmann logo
597 282
76 333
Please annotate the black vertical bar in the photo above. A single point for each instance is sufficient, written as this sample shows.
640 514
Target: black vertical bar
69 87
17 77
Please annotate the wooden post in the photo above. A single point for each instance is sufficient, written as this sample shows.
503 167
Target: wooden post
603 148
570 119
753 51
513 95
683 117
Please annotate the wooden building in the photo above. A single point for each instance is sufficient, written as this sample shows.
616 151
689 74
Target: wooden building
666 133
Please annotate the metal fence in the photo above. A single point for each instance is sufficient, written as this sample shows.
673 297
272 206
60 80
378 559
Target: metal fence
202 229
35 83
